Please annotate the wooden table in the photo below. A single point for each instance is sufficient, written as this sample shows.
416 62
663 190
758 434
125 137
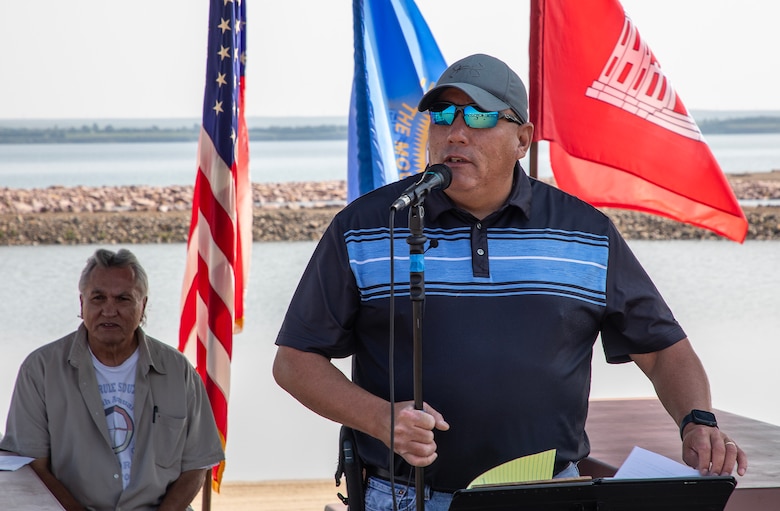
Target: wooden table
615 426
22 490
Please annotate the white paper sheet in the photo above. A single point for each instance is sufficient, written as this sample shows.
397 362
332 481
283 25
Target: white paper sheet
13 462
644 464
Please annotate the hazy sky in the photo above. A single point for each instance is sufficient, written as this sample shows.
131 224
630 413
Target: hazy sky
146 58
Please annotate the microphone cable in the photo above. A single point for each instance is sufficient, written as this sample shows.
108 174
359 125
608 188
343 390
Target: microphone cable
391 366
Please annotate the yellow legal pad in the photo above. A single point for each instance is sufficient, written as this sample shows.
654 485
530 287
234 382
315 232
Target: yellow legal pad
534 467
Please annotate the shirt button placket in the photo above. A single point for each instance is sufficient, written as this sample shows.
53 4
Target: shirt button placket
480 251
479 260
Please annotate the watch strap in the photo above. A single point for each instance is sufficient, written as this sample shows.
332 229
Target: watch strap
698 417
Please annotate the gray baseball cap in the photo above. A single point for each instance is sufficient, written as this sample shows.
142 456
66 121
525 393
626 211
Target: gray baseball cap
488 81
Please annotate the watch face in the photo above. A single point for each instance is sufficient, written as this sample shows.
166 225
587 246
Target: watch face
705 418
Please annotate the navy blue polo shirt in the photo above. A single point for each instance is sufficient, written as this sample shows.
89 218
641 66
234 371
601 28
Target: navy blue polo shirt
513 306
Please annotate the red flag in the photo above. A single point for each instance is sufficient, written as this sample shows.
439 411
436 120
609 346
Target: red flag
619 134
220 237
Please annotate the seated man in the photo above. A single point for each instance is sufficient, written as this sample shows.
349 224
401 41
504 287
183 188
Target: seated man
114 419
521 281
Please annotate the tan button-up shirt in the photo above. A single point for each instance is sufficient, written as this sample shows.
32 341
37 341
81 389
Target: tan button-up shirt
56 412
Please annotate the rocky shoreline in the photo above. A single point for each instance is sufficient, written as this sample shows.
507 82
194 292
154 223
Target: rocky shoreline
282 212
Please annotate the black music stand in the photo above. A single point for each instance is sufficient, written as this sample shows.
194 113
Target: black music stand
604 494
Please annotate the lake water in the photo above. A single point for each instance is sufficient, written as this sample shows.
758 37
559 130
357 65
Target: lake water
162 164
724 294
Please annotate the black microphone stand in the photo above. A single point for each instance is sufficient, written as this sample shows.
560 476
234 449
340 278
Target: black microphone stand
416 241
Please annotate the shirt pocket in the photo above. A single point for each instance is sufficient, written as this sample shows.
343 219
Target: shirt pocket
169 437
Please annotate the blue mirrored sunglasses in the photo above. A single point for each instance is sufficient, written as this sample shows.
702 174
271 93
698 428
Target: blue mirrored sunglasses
444 114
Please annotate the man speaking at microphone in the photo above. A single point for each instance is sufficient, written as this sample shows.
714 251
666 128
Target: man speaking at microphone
520 281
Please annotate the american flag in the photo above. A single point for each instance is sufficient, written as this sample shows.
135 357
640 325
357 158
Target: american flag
220 237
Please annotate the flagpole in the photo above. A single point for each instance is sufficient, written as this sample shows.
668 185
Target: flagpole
206 496
534 81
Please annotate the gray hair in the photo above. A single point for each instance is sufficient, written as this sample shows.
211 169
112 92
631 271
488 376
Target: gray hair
123 258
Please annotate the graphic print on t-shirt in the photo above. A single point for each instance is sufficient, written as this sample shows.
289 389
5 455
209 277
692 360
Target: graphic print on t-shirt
116 385
120 427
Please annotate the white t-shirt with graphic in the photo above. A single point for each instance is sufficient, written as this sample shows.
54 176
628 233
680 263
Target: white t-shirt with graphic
117 390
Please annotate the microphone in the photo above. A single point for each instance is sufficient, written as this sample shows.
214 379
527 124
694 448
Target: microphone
434 177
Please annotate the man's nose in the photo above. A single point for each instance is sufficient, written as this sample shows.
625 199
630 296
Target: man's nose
109 308
458 129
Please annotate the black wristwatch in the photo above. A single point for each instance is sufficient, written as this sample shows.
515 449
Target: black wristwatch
698 417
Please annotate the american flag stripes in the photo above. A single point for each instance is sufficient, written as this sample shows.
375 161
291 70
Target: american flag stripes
220 237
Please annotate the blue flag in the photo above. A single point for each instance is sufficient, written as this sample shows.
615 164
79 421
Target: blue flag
396 62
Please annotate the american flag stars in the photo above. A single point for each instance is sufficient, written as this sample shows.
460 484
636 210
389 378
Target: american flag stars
225 67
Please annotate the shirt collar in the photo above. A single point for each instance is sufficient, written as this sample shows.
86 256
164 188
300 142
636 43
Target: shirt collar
148 355
520 196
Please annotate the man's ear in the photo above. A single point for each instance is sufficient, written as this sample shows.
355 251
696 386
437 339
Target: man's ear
525 134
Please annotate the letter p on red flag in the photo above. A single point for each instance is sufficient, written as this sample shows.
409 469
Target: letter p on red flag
619 135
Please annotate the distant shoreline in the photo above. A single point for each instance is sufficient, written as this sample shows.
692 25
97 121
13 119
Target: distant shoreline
96 134
107 132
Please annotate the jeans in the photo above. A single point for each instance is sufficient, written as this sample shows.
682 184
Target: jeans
379 497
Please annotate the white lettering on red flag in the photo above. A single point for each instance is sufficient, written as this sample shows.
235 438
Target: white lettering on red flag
632 79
